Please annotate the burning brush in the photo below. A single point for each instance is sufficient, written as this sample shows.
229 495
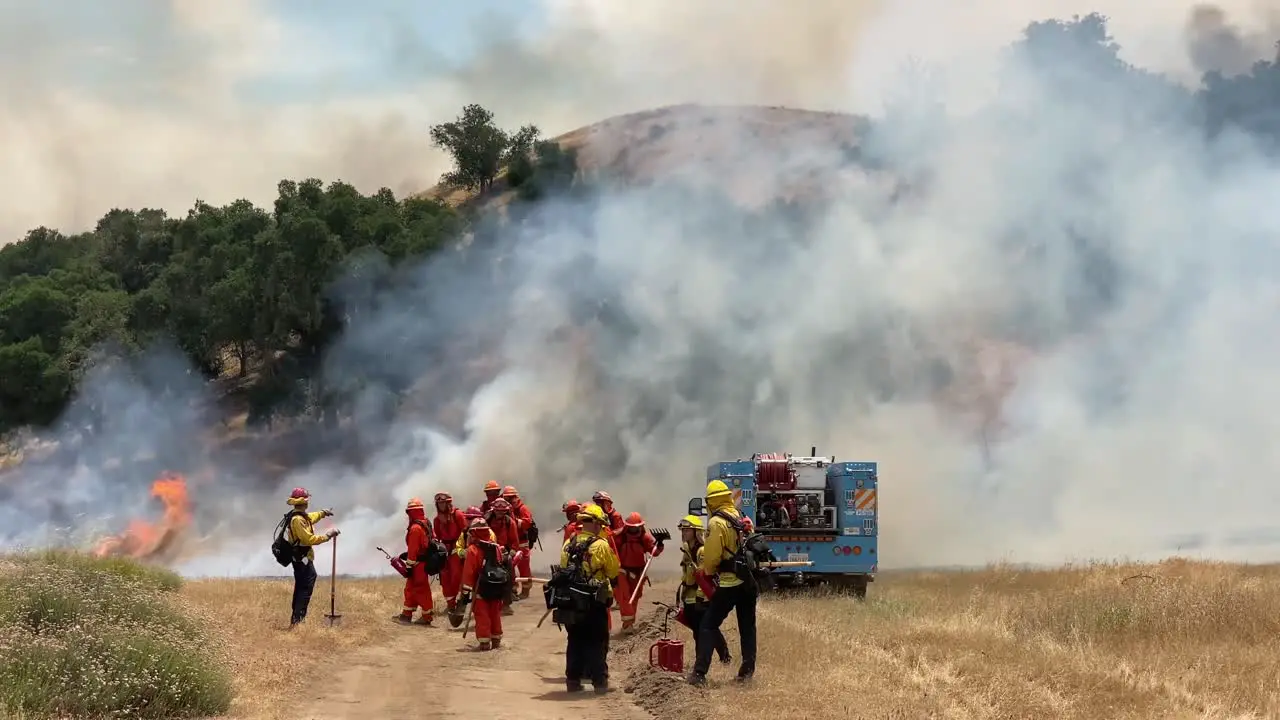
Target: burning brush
144 540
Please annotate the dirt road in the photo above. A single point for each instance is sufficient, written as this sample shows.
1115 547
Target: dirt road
431 673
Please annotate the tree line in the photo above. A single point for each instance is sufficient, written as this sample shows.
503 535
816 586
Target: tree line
237 288
247 290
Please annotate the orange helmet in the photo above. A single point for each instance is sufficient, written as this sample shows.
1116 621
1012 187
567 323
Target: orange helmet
510 492
414 504
634 520
601 496
492 487
500 505
443 497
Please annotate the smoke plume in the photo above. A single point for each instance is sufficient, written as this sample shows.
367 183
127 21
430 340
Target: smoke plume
1045 317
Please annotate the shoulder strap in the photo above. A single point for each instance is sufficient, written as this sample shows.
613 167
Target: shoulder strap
734 522
285 522
423 524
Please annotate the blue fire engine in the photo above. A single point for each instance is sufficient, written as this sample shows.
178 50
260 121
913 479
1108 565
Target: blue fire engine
810 509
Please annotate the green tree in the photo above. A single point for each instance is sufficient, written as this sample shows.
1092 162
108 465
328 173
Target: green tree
477 146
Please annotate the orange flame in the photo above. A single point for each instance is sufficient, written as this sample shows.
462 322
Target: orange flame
143 539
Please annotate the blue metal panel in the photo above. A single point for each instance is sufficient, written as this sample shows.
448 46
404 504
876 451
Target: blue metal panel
725 470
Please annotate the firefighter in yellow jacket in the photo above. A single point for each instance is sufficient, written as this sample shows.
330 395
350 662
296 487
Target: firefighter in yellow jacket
695 588
302 536
732 593
587 652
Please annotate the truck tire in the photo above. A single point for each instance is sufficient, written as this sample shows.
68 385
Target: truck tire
855 585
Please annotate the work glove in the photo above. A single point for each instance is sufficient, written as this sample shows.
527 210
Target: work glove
333 533
464 599
328 512
658 550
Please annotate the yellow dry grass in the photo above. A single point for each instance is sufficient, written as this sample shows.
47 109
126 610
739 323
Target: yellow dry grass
252 619
1175 640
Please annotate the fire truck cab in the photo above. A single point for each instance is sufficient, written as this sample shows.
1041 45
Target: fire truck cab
810 509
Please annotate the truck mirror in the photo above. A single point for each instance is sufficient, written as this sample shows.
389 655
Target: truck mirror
695 506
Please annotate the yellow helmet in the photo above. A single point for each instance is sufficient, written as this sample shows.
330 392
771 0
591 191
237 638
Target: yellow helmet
592 513
717 488
690 522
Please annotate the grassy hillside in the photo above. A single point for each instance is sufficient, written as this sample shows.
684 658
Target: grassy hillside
702 145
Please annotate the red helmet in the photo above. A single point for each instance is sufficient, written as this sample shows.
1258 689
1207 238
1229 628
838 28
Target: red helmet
747 524
634 520
570 509
443 497
473 513
601 496
413 504
500 505
299 492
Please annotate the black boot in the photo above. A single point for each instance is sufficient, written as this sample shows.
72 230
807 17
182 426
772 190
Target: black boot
573 686
697 679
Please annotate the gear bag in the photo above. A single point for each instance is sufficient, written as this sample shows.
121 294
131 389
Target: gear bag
433 558
285 552
495 577
753 550
570 592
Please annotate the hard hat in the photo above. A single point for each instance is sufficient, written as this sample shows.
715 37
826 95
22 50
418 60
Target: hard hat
478 523
692 522
569 504
500 505
299 492
510 492
634 520
601 496
443 497
492 486
593 513
414 504
472 513
717 488
747 524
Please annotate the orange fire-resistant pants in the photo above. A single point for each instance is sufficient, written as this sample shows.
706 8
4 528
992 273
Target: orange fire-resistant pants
523 569
488 617
417 591
451 579
627 580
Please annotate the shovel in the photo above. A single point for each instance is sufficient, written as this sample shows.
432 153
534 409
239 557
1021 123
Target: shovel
333 615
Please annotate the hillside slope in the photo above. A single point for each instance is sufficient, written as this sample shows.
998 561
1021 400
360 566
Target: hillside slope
706 145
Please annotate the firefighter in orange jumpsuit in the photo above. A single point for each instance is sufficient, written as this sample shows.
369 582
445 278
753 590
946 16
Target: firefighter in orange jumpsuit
634 544
506 533
449 524
526 533
492 491
470 515
605 502
572 527
417 587
487 613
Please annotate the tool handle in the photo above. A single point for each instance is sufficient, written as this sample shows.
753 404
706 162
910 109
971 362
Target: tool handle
640 583
333 579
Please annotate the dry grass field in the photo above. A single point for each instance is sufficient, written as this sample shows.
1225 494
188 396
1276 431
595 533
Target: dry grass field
1174 640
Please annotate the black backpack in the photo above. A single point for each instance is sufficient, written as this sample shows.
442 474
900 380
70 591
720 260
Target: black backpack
570 588
285 552
433 558
495 577
753 550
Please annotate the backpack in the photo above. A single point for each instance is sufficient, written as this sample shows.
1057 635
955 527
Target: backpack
570 592
433 558
753 550
285 552
495 577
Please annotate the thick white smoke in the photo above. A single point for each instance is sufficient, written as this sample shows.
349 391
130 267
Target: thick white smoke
1139 422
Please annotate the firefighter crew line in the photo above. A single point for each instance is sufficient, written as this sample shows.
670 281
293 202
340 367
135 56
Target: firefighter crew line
482 557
